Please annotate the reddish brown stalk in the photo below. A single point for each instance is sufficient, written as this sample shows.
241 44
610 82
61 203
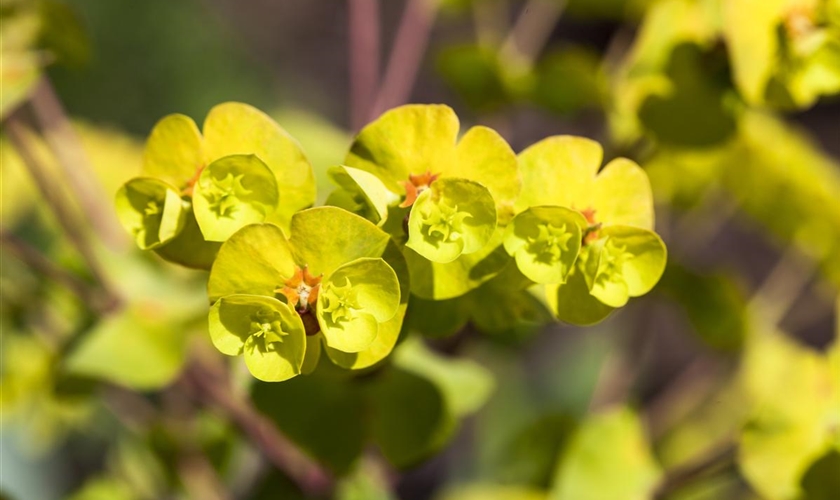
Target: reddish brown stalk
363 29
404 62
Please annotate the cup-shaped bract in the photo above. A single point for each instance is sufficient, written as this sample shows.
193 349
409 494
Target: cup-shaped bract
196 166
619 254
362 193
563 171
626 262
422 139
410 150
545 242
266 331
452 217
354 300
232 192
151 210
260 260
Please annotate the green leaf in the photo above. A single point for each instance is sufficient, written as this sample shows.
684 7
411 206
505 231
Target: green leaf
821 481
366 482
232 192
441 281
609 457
131 349
389 331
626 262
789 389
489 491
530 457
256 260
265 330
152 211
367 194
569 80
572 303
189 248
465 384
714 304
545 242
324 415
104 488
750 28
452 217
698 86
325 238
354 300
409 419
235 128
474 73
437 318
173 151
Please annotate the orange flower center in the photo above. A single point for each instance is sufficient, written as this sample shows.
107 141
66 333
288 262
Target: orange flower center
301 289
416 184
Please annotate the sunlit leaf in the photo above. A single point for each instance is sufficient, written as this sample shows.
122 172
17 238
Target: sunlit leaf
131 349
609 457
790 389
465 384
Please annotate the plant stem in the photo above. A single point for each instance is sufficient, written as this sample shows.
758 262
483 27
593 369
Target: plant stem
404 62
67 147
61 207
782 286
718 456
30 256
214 389
532 30
363 28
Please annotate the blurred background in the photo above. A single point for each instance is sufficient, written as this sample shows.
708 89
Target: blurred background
727 375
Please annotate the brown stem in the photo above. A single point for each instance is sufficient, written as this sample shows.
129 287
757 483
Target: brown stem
719 456
67 147
532 30
33 258
213 388
363 17
61 207
404 62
